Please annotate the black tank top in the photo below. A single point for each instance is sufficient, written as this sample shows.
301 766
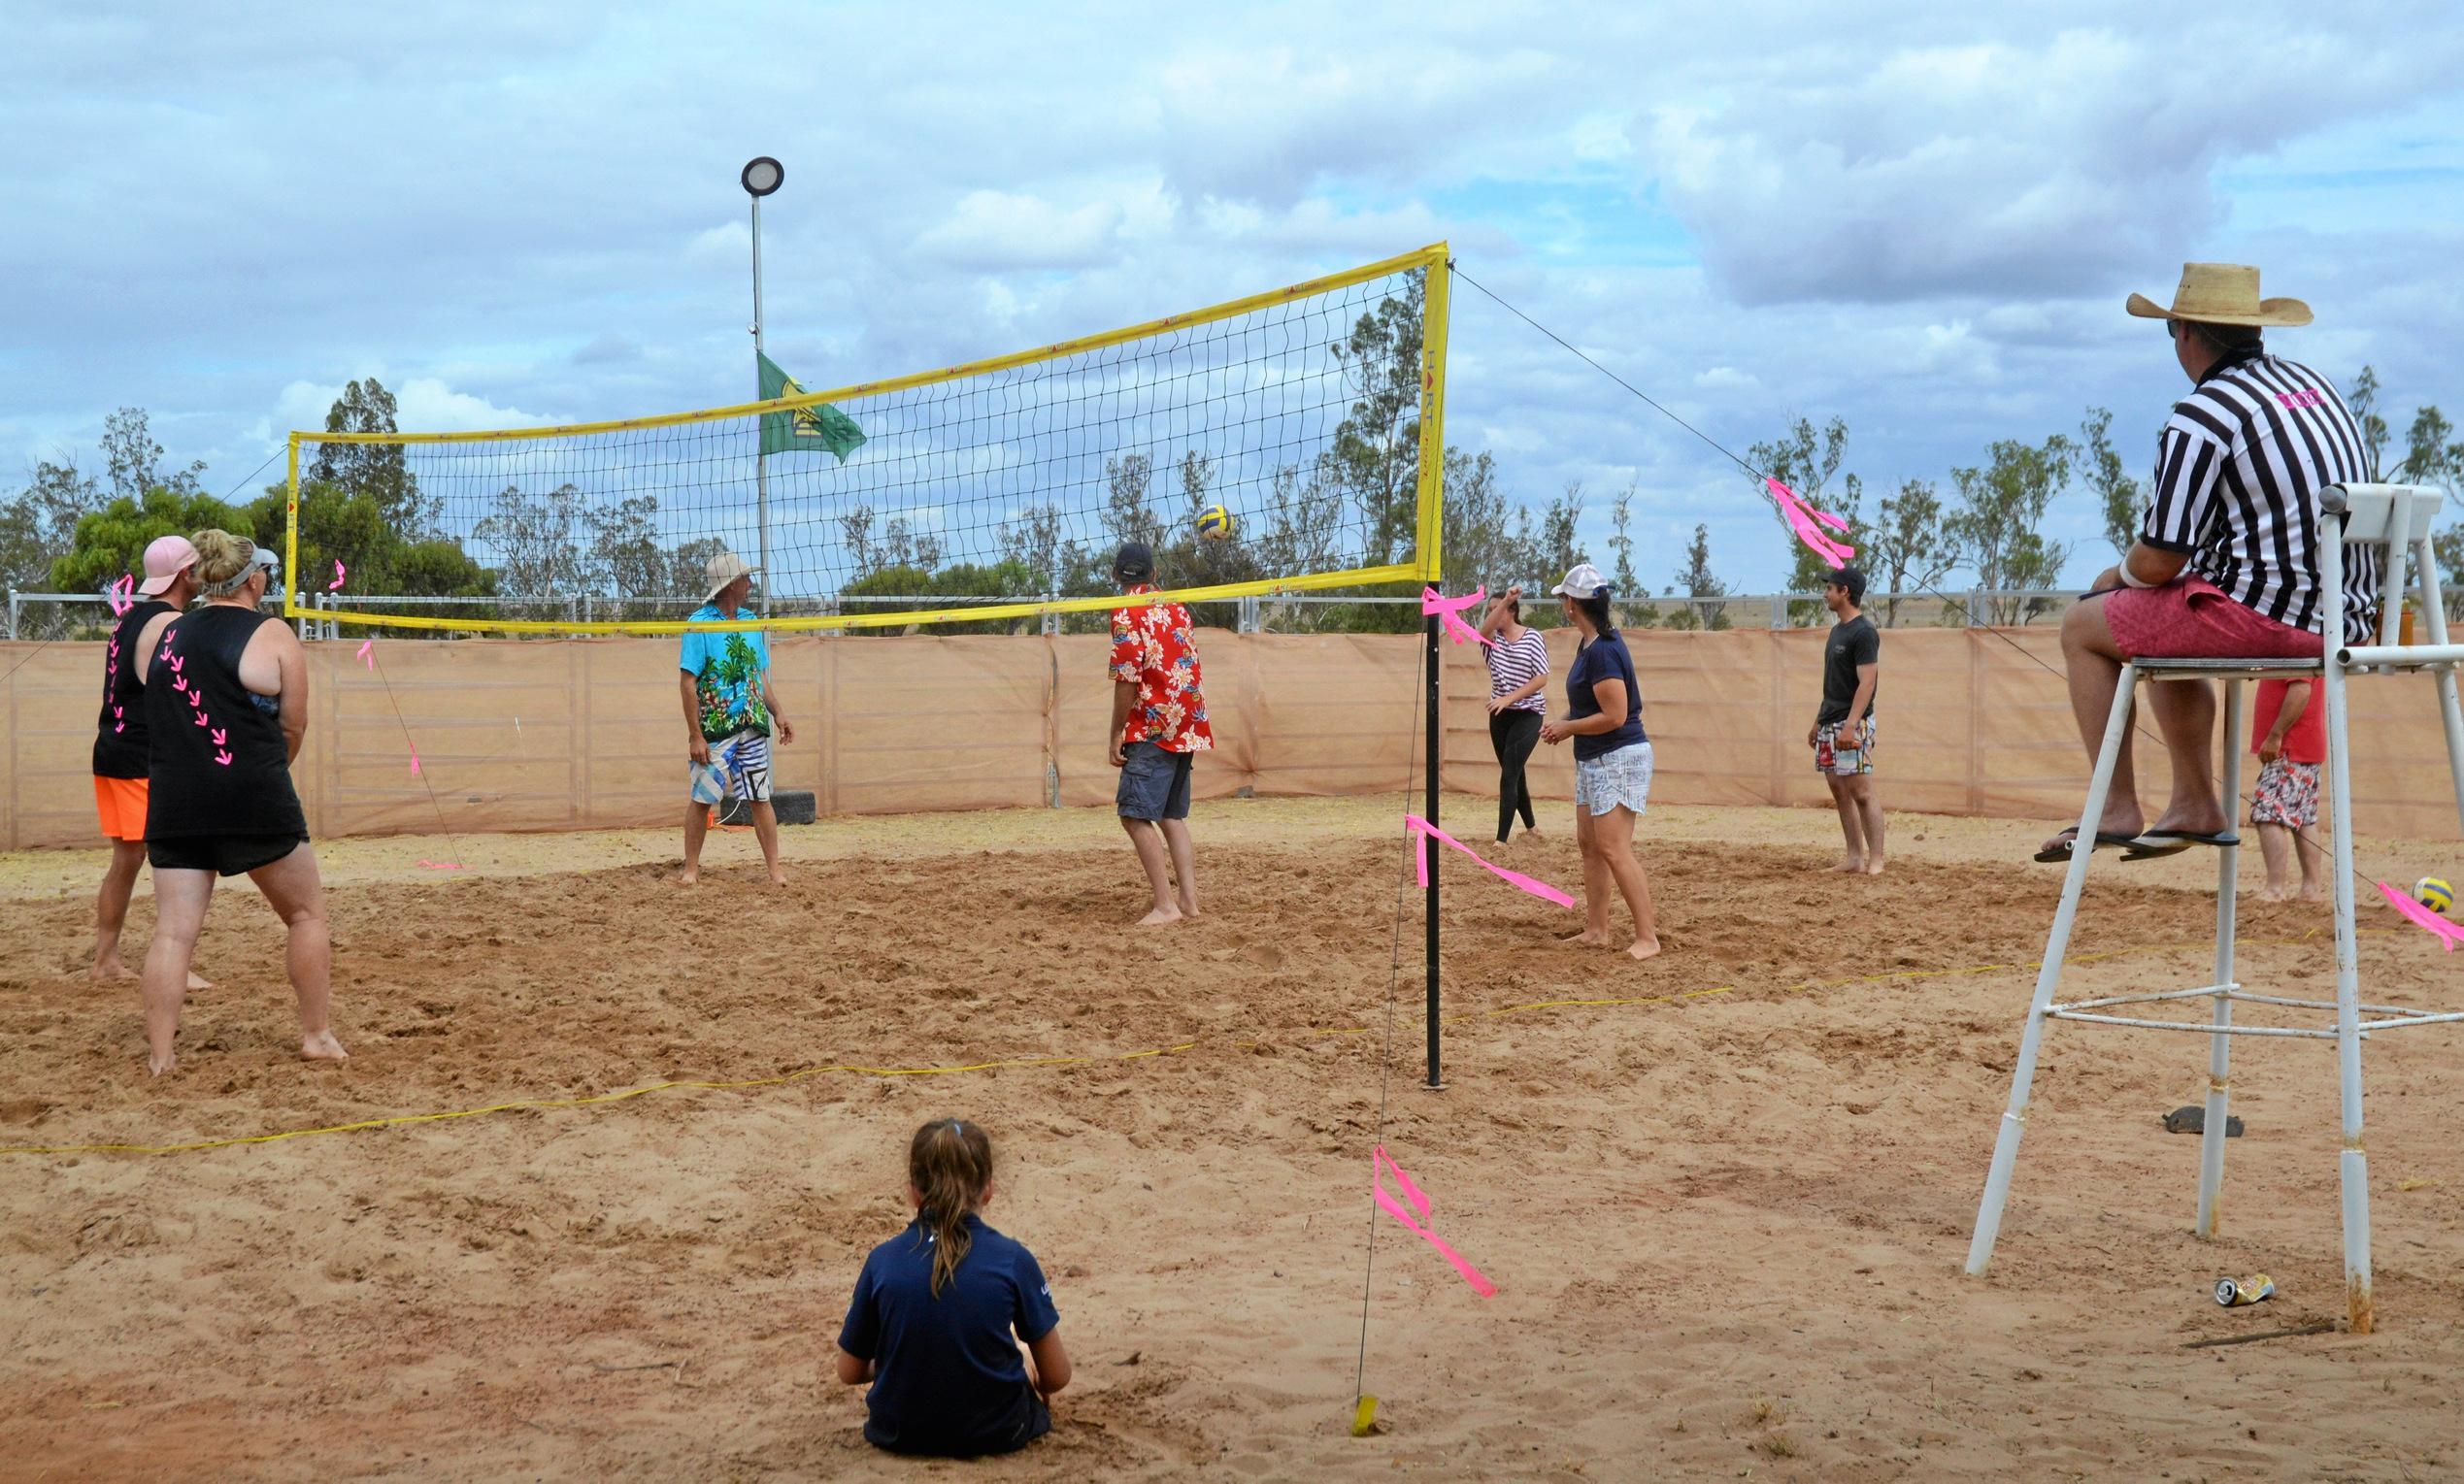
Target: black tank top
120 732
217 764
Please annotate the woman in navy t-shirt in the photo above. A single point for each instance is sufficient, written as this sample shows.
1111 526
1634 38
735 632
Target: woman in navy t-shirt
935 1312
1612 763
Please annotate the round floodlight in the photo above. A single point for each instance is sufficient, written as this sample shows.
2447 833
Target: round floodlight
762 176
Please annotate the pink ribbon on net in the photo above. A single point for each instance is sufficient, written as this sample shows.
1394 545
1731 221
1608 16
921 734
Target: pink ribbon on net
1380 1163
2447 933
1514 878
365 645
335 586
1807 523
1448 611
119 595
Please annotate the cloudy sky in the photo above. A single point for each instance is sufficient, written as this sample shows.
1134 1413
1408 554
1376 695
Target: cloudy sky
1919 217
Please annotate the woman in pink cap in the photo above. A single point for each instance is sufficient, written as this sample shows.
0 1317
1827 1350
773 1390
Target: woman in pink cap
121 742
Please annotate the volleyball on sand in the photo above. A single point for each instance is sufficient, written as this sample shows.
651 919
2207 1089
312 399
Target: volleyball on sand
1214 523
2434 894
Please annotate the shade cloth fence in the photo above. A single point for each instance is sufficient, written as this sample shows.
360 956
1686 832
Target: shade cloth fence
589 733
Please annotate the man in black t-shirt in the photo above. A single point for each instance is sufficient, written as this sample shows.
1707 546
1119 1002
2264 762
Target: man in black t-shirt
1843 733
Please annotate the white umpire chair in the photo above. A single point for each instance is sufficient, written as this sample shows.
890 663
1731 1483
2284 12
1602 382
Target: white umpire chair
2396 519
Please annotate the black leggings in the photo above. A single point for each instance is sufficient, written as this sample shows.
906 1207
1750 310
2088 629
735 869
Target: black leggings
1512 734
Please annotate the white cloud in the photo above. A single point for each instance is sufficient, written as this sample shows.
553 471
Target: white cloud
1727 379
2005 167
421 404
992 230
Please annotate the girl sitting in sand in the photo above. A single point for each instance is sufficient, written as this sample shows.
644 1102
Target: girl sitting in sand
935 1312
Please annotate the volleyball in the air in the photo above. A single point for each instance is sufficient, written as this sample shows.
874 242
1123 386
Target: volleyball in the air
2434 894
1214 523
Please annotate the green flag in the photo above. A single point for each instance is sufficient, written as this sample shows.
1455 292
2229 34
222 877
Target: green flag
803 429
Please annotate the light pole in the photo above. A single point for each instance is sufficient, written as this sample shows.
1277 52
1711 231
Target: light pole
761 176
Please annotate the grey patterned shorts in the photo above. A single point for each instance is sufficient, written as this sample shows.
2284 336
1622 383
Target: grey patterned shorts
1622 776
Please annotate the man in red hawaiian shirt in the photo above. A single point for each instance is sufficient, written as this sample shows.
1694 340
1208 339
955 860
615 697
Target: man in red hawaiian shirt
1160 725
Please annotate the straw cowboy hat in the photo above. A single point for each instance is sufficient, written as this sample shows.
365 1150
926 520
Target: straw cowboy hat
2222 293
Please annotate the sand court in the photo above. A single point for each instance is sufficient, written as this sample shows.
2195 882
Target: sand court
1725 1213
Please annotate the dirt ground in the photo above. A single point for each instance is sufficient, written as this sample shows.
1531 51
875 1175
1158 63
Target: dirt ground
1725 1210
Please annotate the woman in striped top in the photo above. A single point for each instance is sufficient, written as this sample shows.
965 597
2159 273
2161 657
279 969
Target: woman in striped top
1518 673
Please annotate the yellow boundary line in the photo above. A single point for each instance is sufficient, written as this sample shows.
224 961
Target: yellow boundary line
532 1104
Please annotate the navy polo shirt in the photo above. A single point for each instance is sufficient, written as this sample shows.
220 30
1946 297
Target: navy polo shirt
948 1378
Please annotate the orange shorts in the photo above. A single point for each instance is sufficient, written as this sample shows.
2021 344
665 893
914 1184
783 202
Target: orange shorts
122 802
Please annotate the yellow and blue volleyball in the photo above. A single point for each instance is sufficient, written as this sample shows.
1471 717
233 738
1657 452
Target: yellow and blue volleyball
2434 894
1214 523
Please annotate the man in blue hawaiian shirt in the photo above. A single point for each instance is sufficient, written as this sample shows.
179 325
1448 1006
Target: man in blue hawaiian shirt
729 712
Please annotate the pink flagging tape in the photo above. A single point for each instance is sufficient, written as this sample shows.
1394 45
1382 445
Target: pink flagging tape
119 595
1807 523
365 645
414 760
2430 922
335 586
1514 878
1448 611
442 865
1380 1162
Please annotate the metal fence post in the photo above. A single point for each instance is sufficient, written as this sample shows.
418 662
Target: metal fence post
1779 610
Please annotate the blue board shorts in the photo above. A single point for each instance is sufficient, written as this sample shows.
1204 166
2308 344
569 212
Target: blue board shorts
1155 784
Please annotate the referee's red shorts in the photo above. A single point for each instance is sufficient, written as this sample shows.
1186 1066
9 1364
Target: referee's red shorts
2192 618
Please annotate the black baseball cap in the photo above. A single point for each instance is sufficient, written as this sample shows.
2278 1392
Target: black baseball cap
1135 563
1850 577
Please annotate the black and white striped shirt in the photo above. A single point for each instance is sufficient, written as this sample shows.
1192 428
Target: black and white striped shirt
1513 666
2238 468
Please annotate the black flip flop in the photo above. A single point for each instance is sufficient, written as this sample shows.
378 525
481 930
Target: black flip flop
2060 854
2157 844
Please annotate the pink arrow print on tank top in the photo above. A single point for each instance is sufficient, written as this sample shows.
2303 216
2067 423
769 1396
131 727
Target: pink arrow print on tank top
179 662
224 757
220 735
201 719
196 699
179 683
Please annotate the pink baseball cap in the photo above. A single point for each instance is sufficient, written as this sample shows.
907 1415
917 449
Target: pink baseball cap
166 557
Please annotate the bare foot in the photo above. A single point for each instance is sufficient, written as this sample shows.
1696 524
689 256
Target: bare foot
163 1063
690 876
322 1047
1161 918
778 877
1189 910
1585 939
1874 867
108 969
2273 893
1850 865
2314 893
197 980
1645 948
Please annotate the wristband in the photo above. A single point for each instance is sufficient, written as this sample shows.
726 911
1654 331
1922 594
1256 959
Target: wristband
2131 578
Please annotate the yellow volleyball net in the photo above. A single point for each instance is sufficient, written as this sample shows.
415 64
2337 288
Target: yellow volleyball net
1287 441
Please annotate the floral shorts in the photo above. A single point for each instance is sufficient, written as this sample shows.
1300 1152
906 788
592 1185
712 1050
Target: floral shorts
2287 793
1854 760
1622 776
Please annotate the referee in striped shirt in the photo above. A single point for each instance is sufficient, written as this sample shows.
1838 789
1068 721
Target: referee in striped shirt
2226 562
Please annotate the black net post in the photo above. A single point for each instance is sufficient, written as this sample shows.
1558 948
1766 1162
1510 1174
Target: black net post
1428 842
